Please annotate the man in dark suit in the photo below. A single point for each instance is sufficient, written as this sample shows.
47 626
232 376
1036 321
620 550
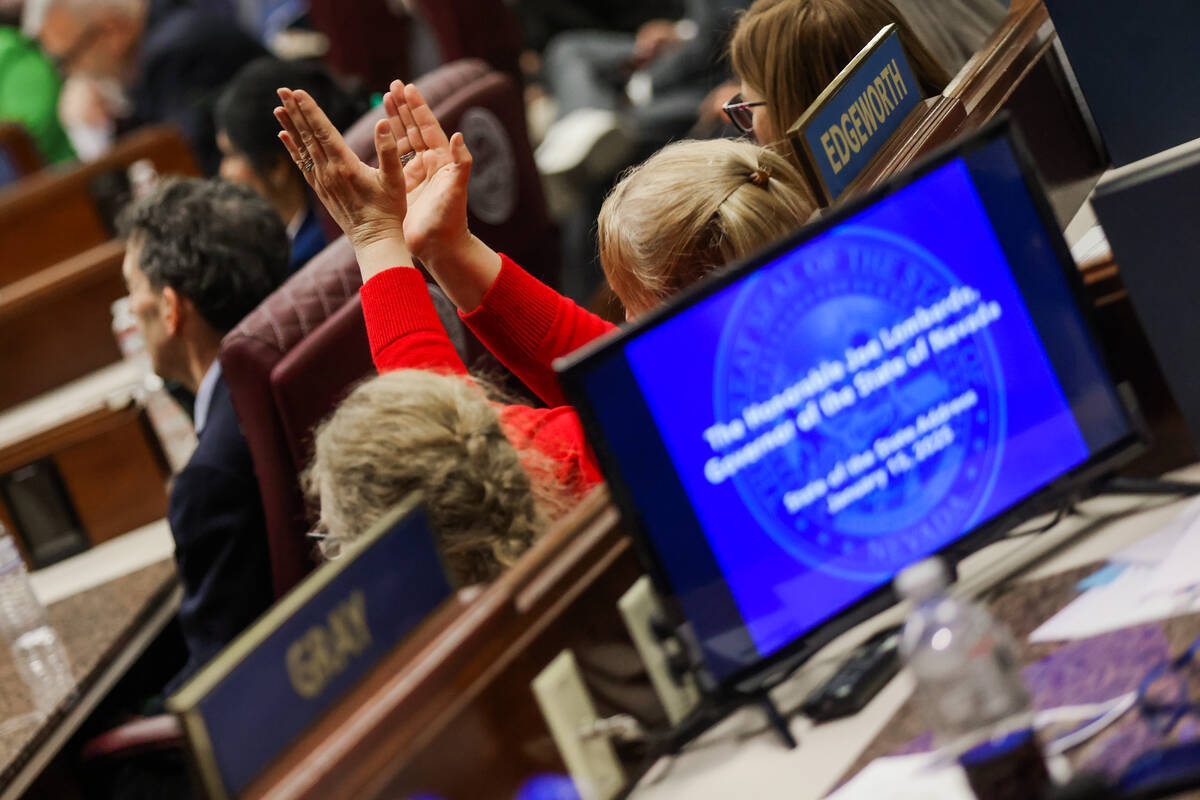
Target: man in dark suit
145 61
201 255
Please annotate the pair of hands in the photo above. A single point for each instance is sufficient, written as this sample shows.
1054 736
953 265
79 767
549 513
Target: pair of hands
417 202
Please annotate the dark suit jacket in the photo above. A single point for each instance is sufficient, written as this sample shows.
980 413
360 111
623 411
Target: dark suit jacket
309 241
187 55
220 532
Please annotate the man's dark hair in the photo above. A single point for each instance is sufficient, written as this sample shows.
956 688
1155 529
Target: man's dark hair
218 244
243 110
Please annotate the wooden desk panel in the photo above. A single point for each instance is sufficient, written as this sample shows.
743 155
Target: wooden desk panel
117 478
57 323
111 463
19 149
51 216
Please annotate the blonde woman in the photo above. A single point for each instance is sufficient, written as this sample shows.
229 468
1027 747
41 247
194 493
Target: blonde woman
686 211
785 52
413 430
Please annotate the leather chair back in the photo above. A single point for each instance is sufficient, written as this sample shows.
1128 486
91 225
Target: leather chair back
287 364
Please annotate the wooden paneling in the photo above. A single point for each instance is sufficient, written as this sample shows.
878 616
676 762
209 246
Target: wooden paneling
19 149
112 467
51 216
57 323
116 478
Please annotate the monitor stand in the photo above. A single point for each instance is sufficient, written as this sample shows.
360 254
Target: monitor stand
714 708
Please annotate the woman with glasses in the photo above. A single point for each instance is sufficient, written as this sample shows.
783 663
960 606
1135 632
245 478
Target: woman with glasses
785 52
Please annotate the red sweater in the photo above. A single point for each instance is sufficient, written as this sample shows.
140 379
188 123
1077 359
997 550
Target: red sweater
527 325
405 333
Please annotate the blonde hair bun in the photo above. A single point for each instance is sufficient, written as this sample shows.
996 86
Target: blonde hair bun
680 214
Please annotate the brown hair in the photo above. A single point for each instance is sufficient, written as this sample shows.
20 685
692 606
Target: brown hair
692 207
412 430
790 50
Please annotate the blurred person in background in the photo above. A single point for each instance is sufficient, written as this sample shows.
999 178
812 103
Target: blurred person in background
249 146
128 63
620 97
29 92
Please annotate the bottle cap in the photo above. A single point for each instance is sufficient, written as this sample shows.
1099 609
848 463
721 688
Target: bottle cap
921 580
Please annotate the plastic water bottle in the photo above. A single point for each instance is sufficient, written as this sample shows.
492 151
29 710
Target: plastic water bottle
969 687
37 652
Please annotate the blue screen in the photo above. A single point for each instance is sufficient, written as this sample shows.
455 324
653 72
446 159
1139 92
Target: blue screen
857 403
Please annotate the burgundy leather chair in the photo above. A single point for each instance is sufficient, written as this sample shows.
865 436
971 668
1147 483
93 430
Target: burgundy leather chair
506 206
367 39
371 39
484 29
287 364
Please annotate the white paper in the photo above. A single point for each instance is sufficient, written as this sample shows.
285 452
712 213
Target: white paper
1092 245
917 777
1119 604
1180 570
1153 549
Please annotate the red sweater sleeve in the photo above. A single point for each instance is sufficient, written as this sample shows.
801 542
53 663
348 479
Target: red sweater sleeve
405 333
527 325
402 325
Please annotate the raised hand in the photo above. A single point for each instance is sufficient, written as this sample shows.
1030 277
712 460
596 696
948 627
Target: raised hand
368 204
436 178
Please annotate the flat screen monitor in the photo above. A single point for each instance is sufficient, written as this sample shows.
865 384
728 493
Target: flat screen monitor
1135 65
902 378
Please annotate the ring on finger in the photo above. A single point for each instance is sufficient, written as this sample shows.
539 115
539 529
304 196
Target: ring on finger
306 163
407 157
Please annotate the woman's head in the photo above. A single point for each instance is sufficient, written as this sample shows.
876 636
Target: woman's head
785 52
412 430
247 133
690 208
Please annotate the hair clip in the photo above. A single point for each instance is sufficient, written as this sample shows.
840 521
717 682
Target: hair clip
760 176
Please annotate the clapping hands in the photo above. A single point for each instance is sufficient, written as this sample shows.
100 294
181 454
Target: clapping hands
416 198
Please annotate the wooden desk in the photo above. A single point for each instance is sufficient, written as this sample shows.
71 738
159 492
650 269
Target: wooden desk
741 759
98 436
52 215
18 151
105 630
57 323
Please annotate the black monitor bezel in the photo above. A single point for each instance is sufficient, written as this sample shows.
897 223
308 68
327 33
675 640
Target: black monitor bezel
791 655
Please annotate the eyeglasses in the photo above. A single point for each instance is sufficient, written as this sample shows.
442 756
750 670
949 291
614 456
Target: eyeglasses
329 545
739 113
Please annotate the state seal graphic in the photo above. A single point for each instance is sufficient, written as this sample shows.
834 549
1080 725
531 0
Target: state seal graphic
492 191
905 450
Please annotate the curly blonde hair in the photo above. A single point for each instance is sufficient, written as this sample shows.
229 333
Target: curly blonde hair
790 50
690 208
412 430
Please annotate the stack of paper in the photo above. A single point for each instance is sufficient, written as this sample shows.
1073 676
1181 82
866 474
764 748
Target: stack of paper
1155 578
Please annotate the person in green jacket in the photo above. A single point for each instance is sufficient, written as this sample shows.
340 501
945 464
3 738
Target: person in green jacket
29 88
